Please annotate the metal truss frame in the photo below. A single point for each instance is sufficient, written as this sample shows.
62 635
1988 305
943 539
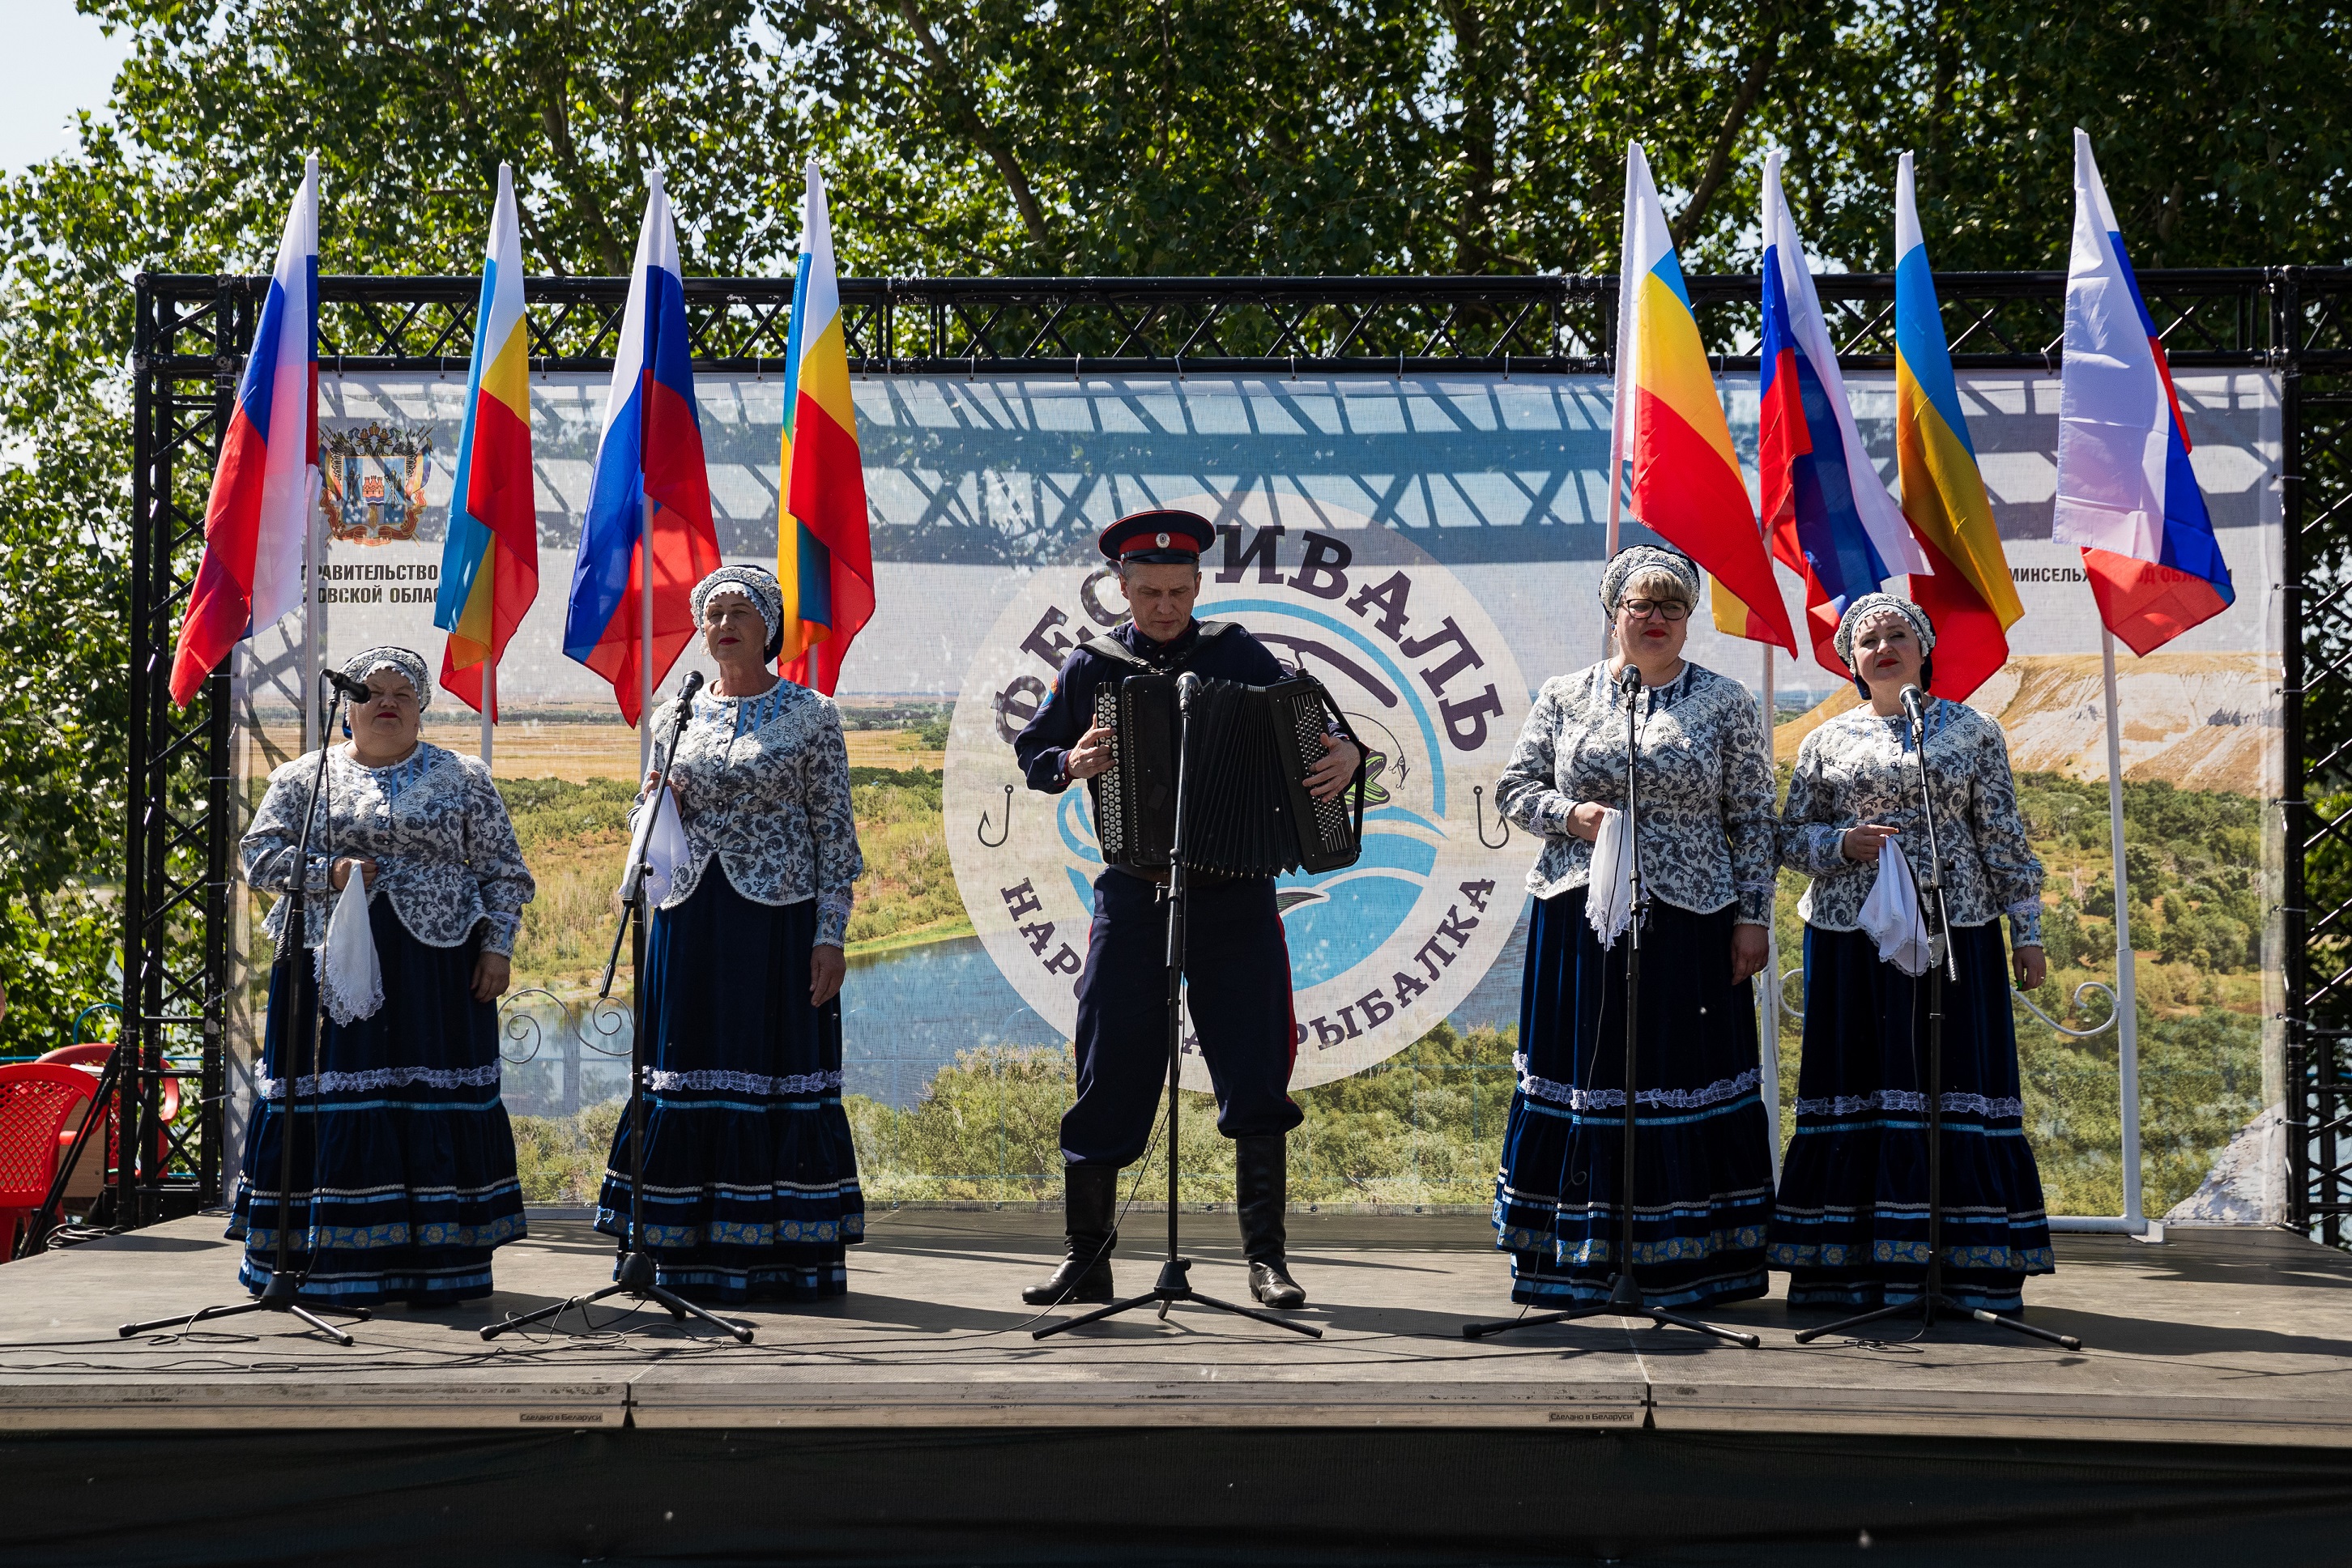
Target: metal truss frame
192 332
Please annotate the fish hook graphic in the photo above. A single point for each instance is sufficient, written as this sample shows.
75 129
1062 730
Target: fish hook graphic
1003 832
1479 791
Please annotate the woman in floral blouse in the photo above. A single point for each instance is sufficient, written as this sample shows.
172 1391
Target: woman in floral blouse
750 1178
411 1179
1706 843
1850 1224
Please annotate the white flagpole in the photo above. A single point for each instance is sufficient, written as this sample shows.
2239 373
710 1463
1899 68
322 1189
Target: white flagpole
2127 979
489 692
1767 1001
1620 411
646 643
1621 407
313 602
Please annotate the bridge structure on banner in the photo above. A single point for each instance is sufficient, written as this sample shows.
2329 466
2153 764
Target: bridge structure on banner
182 964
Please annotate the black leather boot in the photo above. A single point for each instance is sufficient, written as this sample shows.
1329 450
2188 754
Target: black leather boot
1261 1192
1089 1203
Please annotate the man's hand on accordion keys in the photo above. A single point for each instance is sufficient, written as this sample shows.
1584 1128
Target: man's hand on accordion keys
1333 774
1093 754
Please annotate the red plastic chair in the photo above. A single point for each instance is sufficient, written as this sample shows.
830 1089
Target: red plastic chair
36 1101
92 1054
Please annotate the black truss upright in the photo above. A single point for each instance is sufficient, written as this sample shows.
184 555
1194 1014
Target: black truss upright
193 332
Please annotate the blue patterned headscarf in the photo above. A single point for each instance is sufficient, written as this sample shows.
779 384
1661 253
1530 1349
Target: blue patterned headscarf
756 584
408 666
1634 560
1870 607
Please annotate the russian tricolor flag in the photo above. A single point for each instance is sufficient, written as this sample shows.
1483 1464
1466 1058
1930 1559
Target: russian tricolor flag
649 497
258 517
1825 511
2126 492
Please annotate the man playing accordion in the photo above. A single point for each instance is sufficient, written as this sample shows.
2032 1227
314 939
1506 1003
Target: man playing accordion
1236 964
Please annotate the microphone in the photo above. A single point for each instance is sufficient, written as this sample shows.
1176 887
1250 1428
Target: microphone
1188 687
1629 680
682 709
685 694
356 691
1911 702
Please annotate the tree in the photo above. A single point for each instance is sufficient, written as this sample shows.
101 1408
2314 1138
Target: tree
1115 136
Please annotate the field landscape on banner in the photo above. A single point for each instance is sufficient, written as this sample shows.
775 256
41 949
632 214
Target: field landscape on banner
1425 1127
1487 494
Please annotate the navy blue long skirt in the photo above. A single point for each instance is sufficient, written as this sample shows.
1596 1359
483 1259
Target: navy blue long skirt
1703 1189
750 1176
1850 1225
403 1161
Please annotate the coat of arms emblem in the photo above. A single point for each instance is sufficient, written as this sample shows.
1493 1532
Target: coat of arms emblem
372 481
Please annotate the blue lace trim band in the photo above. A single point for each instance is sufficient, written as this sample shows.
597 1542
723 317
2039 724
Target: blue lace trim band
1577 1099
723 1081
1910 1099
375 1078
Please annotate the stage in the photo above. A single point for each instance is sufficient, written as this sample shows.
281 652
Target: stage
2215 1383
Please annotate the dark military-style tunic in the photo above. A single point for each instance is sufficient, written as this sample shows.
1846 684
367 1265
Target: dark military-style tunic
1235 961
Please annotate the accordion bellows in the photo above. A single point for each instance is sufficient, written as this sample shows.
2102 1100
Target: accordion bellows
1245 806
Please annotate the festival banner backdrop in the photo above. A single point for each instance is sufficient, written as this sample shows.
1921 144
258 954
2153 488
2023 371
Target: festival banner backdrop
1430 546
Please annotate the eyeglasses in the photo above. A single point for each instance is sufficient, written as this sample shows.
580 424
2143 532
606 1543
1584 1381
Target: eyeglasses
1664 609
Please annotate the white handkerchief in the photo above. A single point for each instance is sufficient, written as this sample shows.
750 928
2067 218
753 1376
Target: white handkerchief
1609 899
351 981
665 851
1891 914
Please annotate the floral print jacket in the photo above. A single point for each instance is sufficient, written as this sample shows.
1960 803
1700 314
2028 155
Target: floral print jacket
445 851
762 784
1706 784
1858 767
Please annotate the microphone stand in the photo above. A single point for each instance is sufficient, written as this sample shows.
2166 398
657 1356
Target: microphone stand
1624 1299
282 1293
636 1275
1175 1283
1945 961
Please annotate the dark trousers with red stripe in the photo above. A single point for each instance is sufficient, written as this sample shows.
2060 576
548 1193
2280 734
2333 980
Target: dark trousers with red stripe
1237 975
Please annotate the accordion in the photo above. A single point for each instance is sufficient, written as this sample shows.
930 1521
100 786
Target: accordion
1246 809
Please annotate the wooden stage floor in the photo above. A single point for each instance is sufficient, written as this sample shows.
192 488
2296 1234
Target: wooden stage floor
2230 1337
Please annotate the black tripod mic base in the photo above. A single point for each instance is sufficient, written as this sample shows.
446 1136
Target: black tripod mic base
286 1304
678 1306
1174 1285
1919 1307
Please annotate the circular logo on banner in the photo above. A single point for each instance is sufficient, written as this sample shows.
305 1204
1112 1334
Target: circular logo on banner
1379 951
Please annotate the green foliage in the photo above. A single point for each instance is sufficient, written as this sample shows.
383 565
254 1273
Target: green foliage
2200 1081
922 785
560 1159
549 813
59 955
977 136
1423 1126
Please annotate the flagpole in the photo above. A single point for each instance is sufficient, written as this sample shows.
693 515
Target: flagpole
311 569
489 691
2127 979
1768 1003
645 642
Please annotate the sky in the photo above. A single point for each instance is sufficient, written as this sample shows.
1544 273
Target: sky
57 61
